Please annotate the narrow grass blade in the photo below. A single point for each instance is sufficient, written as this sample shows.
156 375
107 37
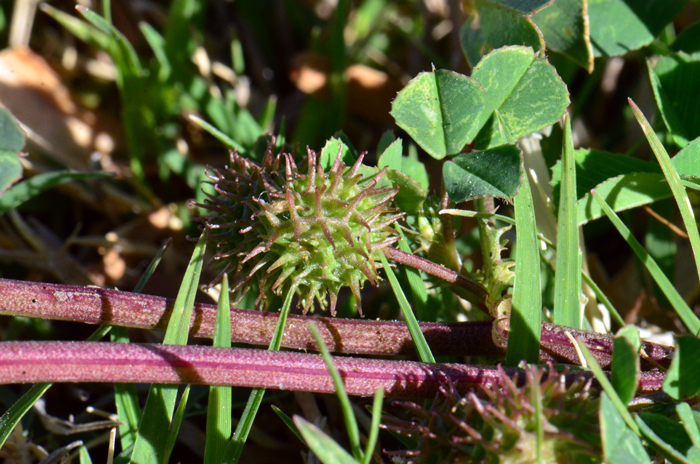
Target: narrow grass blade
288 422
84 456
607 386
323 446
415 281
160 404
526 312
567 280
674 182
345 405
235 447
25 190
176 422
219 405
374 428
475 214
416 334
82 30
220 136
12 416
536 401
689 318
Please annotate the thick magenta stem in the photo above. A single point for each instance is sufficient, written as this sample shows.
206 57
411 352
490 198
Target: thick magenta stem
30 362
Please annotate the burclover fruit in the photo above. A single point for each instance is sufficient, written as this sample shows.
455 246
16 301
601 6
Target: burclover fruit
311 233
499 424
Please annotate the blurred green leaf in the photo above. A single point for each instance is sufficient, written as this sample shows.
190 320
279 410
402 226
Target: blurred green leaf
391 156
669 437
25 190
624 371
525 6
330 152
411 196
683 376
437 109
675 80
526 311
564 26
567 279
524 94
414 168
493 25
688 40
84 456
323 446
620 26
11 136
82 30
620 444
10 170
493 172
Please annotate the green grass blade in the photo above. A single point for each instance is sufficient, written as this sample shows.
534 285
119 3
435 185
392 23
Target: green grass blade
323 446
374 428
690 320
84 456
25 190
674 182
12 416
220 136
176 422
416 334
80 29
288 422
160 404
345 405
607 386
415 281
475 214
526 312
219 406
235 447
567 280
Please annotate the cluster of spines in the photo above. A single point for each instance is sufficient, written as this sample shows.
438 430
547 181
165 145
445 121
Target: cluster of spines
318 230
498 424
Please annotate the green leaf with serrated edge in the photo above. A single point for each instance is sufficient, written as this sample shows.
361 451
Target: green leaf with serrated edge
410 196
620 26
323 446
25 190
414 168
493 25
391 156
330 152
624 371
675 79
683 376
668 437
674 182
524 90
437 110
689 419
688 40
494 172
219 405
345 405
679 305
564 25
567 279
620 444
152 436
526 311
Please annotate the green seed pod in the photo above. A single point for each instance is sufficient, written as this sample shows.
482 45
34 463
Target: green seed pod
311 233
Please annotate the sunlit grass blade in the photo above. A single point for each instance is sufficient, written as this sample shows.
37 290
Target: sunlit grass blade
567 280
415 281
526 311
374 427
125 396
9 420
690 320
219 405
674 182
220 136
323 446
607 386
475 214
345 405
416 334
176 422
235 447
160 404
288 422
82 30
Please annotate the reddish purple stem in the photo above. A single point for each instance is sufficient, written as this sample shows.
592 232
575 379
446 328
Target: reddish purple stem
29 362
